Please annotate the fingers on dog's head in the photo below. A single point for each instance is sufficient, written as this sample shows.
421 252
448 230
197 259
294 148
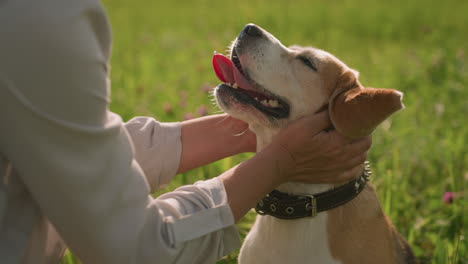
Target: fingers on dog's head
315 123
349 174
362 144
337 139
319 121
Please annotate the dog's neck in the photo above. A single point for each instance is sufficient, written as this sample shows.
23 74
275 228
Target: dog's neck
264 137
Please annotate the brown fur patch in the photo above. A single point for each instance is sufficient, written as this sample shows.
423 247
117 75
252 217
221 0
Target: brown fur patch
360 233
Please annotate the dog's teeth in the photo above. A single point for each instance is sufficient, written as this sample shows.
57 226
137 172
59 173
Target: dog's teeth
256 99
264 102
273 103
235 86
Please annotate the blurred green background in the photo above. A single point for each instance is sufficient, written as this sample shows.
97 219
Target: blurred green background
161 67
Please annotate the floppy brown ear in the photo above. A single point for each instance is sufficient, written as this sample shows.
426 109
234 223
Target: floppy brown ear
356 111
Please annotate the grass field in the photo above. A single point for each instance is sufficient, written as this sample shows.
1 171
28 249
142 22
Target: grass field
161 67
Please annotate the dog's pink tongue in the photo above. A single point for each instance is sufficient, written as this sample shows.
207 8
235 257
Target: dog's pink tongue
227 72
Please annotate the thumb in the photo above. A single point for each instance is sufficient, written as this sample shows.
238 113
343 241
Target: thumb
316 123
309 125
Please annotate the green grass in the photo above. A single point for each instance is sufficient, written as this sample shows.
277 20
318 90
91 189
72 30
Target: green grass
161 67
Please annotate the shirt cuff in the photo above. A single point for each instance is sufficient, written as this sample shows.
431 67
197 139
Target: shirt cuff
217 219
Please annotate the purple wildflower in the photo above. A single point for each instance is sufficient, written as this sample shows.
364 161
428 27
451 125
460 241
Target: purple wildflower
448 197
202 110
188 116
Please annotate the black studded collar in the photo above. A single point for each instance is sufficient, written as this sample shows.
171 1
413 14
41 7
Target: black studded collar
293 206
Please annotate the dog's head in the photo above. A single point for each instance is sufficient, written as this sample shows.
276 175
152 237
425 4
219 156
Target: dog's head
267 84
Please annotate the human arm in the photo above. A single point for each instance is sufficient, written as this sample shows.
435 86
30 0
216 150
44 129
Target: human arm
210 138
164 149
75 158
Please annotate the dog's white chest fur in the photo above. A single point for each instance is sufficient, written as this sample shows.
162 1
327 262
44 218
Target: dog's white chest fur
273 240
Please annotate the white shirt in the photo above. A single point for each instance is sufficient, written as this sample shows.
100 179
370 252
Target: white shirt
71 169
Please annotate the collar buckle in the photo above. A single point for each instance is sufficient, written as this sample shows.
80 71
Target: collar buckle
312 206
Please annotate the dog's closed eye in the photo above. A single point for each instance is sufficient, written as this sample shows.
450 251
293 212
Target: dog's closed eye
308 62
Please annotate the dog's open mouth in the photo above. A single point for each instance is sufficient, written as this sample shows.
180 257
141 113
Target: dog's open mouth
245 90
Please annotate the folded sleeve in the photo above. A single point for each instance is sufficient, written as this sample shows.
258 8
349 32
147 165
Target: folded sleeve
157 148
76 158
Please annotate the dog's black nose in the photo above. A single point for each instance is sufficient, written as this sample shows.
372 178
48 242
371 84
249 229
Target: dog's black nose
251 30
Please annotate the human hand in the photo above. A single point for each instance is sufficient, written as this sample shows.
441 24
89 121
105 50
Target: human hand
240 129
309 154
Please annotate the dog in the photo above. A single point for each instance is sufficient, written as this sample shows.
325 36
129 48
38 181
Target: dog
268 85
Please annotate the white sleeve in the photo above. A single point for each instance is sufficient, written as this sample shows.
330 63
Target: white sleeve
157 148
76 158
